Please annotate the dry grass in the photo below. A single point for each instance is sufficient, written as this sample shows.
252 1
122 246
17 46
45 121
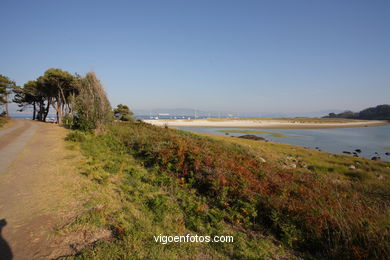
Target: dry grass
3 121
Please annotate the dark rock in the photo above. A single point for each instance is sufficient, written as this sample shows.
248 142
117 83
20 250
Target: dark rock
226 133
375 158
346 152
387 153
358 150
252 137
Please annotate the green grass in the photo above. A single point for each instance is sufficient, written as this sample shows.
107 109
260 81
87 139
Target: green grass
313 161
165 181
140 202
253 132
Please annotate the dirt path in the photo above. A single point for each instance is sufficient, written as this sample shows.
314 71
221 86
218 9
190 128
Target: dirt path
13 140
39 186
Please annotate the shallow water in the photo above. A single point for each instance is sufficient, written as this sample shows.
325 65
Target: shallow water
370 140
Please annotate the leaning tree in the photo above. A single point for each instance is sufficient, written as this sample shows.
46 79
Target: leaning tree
60 88
32 94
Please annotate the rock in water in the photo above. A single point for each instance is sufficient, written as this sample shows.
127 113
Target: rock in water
252 137
358 150
346 152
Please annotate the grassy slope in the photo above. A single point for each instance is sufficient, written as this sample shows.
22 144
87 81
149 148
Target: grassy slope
169 182
310 161
139 202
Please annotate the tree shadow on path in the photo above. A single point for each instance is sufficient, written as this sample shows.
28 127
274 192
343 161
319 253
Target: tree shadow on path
5 249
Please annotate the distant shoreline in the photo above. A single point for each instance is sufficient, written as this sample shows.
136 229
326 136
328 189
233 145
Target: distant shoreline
274 123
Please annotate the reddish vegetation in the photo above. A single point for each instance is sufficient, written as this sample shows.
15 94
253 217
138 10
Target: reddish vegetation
306 211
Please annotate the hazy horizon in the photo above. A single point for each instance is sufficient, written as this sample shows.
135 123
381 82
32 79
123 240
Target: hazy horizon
202 113
243 57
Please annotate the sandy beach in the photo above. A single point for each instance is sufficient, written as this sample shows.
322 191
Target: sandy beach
269 123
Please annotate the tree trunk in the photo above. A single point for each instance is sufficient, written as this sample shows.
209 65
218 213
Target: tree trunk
58 109
6 103
41 111
35 110
47 110
59 117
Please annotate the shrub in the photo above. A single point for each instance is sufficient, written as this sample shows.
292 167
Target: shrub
126 118
92 105
75 136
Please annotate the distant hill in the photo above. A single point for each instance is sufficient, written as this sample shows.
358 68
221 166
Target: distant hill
381 112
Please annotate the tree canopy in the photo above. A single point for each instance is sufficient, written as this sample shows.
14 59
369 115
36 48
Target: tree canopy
79 102
6 88
123 112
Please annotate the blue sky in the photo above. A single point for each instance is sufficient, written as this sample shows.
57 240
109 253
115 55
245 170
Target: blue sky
245 56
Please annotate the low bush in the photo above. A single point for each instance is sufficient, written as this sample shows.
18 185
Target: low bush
76 136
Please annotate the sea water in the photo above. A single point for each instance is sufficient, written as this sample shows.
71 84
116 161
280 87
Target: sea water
372 141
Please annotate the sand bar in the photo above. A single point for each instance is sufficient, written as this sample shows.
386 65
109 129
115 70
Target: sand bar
269 123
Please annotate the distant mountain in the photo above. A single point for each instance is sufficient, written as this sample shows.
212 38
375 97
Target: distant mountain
381 112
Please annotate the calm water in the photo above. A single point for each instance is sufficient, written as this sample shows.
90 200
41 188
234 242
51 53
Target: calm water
335 140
